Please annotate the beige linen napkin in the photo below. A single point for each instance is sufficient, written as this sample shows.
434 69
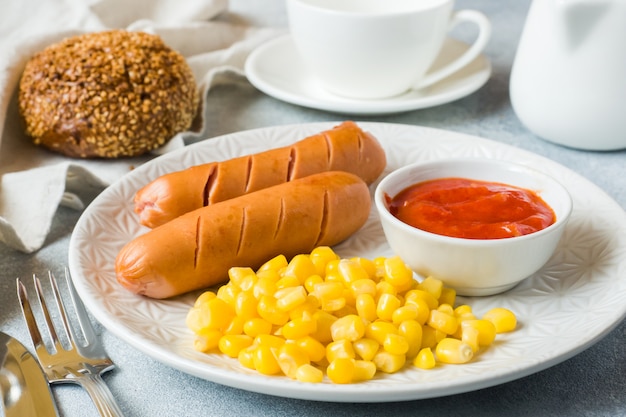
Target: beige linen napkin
34 181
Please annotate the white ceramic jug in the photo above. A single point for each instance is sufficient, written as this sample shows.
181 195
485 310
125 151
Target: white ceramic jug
568 81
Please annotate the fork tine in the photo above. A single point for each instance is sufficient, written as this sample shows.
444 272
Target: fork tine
69 331
27 311
46 313
81 313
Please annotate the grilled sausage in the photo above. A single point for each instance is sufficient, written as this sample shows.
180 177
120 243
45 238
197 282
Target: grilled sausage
197 249
344 148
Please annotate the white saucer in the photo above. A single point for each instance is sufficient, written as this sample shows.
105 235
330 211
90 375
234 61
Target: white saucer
276 69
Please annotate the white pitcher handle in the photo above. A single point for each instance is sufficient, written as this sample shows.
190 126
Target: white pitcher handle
484 34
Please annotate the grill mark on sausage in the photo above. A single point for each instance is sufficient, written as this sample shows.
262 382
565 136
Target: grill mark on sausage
196 252
360 148
244 220
208 186
248 173
281 218
290 168
324 222
329 150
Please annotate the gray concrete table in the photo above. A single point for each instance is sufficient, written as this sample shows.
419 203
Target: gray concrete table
592 383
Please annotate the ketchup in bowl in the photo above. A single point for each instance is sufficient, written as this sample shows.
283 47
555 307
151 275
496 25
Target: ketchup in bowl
471 209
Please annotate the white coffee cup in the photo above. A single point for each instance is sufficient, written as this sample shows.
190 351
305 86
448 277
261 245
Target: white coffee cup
369 49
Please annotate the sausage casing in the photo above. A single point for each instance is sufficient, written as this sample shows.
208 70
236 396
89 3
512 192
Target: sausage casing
196 250
346 147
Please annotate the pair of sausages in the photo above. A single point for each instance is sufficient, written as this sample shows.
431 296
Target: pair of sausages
345 147
317 195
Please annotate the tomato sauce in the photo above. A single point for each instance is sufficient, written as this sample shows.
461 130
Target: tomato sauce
471 209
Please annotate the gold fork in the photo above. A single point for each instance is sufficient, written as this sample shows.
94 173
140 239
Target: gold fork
82 363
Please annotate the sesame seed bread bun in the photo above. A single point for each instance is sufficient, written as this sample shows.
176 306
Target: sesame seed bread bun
107 95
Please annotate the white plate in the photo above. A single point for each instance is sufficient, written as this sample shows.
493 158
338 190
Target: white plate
276 69
570 304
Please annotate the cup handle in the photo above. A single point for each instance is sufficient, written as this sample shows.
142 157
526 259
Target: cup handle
458 17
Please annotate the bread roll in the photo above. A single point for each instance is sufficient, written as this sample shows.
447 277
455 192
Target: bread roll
107 95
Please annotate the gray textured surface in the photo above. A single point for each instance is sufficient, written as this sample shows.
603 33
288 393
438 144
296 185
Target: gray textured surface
592 383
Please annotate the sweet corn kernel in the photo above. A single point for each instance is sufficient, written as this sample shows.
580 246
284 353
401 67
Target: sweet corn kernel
461 318
411 330
269 340
328 290
388 362
486 330
246 356
396 344
339 349
290 298
213 314
386 306
274 264
236 275
363 370
448 296
205 296
423 311
265 360
246 305
363 286
367 264
256 326
441 321
503 319
320 257
453 351
351 271
463 309
404 313
314 349
299 328
446 308
378 330
311 281
232 344
366 348
207 340
290 358
431 336
309 373
432 285
228 293
287 281
300 267
268 310
309 307
425 359
341 370
349 296
235 326
397 273
266 284
349 327
366 307
324 322
195 319
384 287
345 311
470 336
430 300
333 304
379 262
